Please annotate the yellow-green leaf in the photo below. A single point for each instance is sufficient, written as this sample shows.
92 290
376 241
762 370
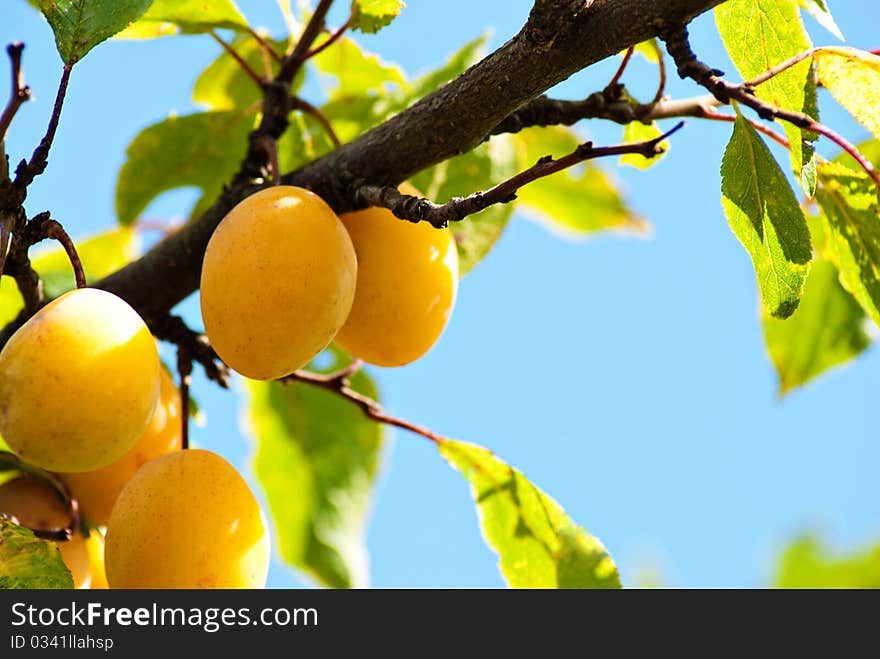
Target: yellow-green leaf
818 9
758 35
849 201
577 202
372 15
807 563
317 459
169 17
80 25
537 543
27 562
828 329
636 131
764 214
853 78
202 150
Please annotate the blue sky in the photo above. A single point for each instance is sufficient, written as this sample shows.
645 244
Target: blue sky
625 376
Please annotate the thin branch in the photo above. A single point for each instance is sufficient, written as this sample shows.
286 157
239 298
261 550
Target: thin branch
331 40
25 173
338 383
264 45
416 209
661 65
20 92
174 330
253 75
620 69
292 62
53 229
184 370
296 103
689 66
761 128
779 68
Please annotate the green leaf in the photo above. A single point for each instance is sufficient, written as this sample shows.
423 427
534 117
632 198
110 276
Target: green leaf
480 169
80 25
168 17
849 200
316 460
26 562
828 329
647 49
818 9
758 35
459 62
853 78
100 255
636 131
538 545
357 71
764 214
202 150
806 563
576 202
224 85
370 16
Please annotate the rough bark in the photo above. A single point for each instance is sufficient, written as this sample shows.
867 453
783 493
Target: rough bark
559 38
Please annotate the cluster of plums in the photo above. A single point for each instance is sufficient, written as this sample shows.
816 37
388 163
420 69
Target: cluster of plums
84 395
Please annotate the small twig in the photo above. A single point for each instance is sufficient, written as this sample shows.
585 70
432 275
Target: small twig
416 209
264 45
20 94
620 69
338 383
292 62
253 75
661 64
330 41
53 229
174 330
689 66
184 369
25 173
761 128
296 103
779 68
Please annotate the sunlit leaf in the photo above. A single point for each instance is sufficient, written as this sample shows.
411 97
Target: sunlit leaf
577 202
807 563
819 10
203 150
636 131
538 545
853 78
372 15
828 329
849 200
168 17
27 562
764 214
316 460
80 25
758 35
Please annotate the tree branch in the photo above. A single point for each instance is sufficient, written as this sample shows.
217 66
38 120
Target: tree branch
676 39
416 209
338 383
560 38
20 92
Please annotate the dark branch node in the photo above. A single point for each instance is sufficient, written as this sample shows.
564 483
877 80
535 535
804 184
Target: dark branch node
174 330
